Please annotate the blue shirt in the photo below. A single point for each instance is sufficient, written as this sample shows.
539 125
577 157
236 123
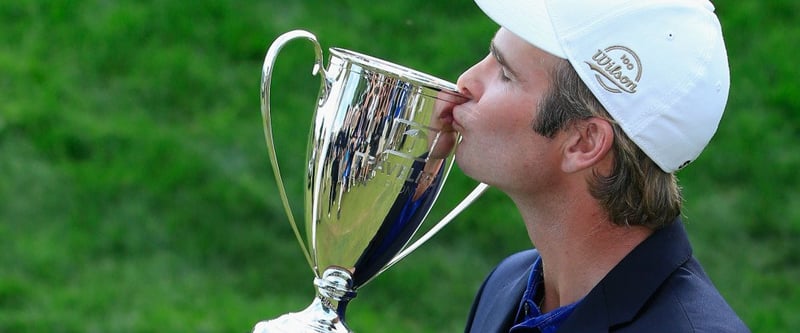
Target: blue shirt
529 316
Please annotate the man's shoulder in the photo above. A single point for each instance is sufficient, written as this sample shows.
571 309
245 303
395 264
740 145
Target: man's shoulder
689 302
496 302
657 287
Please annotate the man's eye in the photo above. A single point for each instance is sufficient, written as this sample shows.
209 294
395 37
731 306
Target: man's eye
504 75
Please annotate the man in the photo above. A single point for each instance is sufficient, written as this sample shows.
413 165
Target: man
582 113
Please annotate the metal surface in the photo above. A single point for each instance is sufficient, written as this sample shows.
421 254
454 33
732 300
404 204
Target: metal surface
378 154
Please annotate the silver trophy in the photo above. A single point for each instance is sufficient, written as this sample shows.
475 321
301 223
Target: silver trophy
378 155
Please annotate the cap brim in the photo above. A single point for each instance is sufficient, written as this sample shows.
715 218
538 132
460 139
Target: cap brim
527 19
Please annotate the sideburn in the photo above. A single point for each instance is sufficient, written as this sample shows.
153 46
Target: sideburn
558 109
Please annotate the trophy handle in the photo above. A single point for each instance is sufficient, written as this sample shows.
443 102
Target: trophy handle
475 194
266 80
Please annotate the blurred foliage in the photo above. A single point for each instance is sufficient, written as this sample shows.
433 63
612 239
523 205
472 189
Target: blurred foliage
136 196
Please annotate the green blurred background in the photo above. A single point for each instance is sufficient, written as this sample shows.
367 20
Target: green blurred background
136 195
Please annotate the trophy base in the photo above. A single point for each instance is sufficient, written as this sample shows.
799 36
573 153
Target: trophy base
316 318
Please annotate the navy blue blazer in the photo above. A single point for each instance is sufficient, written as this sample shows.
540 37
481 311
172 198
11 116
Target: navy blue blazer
658 287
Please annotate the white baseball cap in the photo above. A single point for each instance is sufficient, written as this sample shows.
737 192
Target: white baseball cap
659 67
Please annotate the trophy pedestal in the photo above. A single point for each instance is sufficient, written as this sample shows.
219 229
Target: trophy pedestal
316 318
326 312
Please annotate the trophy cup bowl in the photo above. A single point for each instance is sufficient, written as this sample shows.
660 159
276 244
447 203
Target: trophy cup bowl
379 151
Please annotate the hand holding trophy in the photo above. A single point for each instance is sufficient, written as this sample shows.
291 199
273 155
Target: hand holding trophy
380 149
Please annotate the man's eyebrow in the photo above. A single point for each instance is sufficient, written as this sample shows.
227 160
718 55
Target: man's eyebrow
500 58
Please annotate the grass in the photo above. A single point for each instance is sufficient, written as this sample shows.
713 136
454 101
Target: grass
136 196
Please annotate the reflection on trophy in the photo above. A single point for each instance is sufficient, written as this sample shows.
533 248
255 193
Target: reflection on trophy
379 151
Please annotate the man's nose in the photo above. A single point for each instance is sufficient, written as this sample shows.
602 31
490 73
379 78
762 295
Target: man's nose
468 83
462 86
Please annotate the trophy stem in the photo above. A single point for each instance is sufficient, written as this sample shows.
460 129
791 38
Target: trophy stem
326 312
335 289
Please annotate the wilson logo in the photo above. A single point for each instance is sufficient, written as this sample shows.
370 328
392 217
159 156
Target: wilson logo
618 69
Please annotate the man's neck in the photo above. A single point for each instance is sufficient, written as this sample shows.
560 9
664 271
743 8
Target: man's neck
578 244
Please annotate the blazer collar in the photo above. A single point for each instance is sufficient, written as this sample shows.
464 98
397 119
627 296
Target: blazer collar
624 290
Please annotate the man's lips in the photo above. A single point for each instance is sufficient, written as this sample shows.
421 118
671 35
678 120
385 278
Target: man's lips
454 123
447 120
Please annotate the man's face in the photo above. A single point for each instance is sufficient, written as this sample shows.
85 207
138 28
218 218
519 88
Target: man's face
499 146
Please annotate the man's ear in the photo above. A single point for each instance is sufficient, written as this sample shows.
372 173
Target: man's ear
588 144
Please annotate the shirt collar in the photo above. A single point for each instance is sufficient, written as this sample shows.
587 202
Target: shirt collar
529 314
